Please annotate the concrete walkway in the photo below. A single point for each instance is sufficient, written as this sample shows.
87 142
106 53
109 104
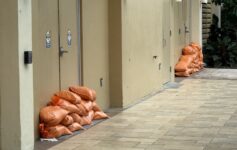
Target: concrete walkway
216 74
199 115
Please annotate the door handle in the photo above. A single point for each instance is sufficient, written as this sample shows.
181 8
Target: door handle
186 29
62 51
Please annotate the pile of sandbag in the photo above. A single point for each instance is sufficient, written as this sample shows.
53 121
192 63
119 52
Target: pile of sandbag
68 111
190 62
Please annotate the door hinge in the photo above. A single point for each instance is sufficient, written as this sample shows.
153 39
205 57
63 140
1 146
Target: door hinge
170 33
170 69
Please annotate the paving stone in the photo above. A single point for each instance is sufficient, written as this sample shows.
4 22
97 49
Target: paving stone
201 114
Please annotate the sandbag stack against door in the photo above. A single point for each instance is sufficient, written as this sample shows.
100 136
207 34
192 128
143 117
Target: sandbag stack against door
191 61
68 111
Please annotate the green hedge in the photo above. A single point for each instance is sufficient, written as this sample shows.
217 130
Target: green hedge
221 47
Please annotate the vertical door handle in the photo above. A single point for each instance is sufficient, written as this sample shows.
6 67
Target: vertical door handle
186 29
62 51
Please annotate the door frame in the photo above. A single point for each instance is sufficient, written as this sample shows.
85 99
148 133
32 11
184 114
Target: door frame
166 45
80 42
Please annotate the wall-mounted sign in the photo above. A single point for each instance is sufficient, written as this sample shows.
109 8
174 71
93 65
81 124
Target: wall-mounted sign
48 41
69 38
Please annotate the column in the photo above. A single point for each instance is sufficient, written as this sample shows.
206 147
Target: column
16 84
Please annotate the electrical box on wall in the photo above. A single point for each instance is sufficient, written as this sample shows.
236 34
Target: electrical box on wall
27 57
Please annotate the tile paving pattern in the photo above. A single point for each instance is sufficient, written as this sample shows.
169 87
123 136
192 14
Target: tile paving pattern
199 115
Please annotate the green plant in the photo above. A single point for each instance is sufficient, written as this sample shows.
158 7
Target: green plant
221 53
221 47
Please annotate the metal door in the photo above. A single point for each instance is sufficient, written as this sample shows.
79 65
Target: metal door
45 51
55 45
68 43
166 70
187 20
55 32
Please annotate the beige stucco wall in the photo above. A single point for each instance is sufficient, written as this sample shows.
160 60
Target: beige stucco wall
95 48
196 30
178 38
123 36
179 17
115 53
26 75
0 116
9 76
141 40
172 38
16 78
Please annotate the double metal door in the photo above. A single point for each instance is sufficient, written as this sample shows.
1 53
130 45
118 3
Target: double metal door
55 47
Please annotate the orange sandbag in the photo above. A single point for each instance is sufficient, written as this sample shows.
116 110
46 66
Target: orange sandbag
201 64
195 61
196 56
196 70
68 120
75 127
82 109
187 58
91 115
192 71
100 115
54 131
87 120
184 63
195 45
95 107
76 118
181 66
201 56
84 92
195 48
87 104
56 101
188 50
52 115
183 74
94 94
69 96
